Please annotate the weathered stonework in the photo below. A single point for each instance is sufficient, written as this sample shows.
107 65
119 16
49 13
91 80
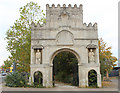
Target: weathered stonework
64 30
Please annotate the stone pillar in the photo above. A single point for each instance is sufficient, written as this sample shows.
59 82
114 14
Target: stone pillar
47 77
31 78
99 80
97 55
82 77
51 75
32 56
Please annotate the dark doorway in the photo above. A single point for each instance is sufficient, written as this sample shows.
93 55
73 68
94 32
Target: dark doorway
65 69
38 78
92 78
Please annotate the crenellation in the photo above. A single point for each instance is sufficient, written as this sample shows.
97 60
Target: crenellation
47 6
84 25
58 6
90 24
95 25
64 5
75 6
69 5
80 6
32 24
53 6
38 24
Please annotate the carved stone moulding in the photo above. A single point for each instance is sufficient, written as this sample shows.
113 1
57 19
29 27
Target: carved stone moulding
37 47
91 46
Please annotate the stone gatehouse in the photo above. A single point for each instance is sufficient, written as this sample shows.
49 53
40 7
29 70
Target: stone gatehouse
64 30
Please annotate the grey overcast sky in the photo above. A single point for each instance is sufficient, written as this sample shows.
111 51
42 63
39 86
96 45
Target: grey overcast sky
104 12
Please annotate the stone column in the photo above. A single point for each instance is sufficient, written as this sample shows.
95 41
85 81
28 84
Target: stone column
82 77
47 77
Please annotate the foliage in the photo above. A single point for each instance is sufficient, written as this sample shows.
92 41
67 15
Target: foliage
15 79
66 68
19 36
92 76
107 61
38 78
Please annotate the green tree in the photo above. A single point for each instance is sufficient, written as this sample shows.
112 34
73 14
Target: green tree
107 61
7 63
19 35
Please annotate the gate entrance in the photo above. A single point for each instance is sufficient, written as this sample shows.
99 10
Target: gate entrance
65 69
64 31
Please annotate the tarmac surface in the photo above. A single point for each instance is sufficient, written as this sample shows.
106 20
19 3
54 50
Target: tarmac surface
60 87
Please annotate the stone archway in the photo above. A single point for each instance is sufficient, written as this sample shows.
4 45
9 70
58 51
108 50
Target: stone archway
92 78
64 30
64 49
57 53
38 78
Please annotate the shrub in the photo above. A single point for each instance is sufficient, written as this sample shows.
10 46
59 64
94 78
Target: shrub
15 79
61 76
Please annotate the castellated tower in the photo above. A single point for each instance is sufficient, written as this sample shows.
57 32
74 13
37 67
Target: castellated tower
68 16
64 30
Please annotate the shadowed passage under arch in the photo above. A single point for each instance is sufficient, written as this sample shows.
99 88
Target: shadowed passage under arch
65 68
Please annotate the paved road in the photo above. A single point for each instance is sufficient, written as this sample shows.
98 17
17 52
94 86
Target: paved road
2 79
61 88
65 88
58 89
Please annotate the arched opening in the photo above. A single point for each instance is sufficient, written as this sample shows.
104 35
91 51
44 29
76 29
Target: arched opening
92 78
65 69
38 78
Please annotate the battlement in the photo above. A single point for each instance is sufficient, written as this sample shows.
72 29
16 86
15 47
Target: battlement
56 10
64 6
65 16
90 26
